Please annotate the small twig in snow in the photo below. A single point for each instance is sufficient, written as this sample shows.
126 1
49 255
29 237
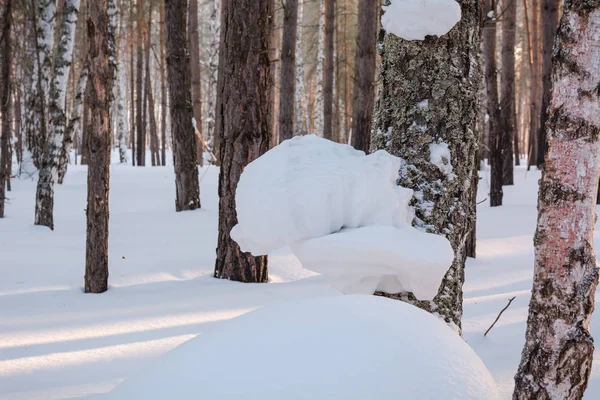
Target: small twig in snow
498 317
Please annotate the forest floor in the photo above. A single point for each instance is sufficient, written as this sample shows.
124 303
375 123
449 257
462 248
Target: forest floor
57 342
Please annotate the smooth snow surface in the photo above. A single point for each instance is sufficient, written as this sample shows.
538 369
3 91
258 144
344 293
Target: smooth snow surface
349 347
415 19
309 187
382 258
343 215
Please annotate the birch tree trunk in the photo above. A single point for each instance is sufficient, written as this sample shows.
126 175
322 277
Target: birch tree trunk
121 107
180 96
132 87
139 89
300 127
557 357
366 65
194 44
508 115
74 126
329 69
150 96
319 101
101 75
44 204
244 122
213 65
5 61
428 103
288 70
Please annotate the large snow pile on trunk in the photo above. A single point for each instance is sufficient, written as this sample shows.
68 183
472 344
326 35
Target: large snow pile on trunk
346 347
415 19
343 215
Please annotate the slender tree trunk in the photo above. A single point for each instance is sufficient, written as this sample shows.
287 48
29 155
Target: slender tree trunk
194 44
213 65
245 136
120 89
300 126
549 18
428 102
366 64
44 205
508 115
5 61
493 108
163 90
150 97
319 101
288 70
84 126
557 357
101 75
534 119
328 70
132 87
139 79
182 129
74 126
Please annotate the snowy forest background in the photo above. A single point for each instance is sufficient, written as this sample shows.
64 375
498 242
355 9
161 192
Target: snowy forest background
153 149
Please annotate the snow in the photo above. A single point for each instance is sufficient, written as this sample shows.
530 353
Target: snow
343 215
350 347
416 19
439 155
59 343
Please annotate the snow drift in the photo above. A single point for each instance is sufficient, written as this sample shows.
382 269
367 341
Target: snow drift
343 215
415 19
343 347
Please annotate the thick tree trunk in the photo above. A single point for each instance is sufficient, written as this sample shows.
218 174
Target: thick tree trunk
427 105
364 81
100 86
493 108
549 18
508 115
557 357
48 174
182 129
194 44
5 61
245 122
139 79
328 70
288 70
74 126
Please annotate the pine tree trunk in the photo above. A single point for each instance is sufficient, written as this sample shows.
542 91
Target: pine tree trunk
48 174
493 107
366 64
74 126
163 91
245 122
549 18
288 70
508 115
139 79
150 97
557 357
534 94
428 101
180 96
328 70
194 44
5 61
101 75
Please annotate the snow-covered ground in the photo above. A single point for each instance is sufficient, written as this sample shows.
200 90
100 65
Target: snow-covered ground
57 342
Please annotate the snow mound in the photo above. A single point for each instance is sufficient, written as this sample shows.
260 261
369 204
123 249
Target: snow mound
383 258
345 347
415 19
309 187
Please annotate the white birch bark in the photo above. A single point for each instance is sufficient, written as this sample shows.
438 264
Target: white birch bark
300 126
557 357
56 109
319 103
213 65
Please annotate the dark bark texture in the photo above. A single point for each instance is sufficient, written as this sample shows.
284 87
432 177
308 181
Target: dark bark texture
180 96
196 72
5 60
428 98
365 71
508 116
100 83
288 71
244 122
328 70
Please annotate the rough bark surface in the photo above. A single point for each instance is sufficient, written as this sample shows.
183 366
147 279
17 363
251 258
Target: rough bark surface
288 70
534 86
196 72
328 70
100 87
180 101
493 108
549 19
139 89
365 71
557 357
5 61
301 125
508 115
244 122
428 100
